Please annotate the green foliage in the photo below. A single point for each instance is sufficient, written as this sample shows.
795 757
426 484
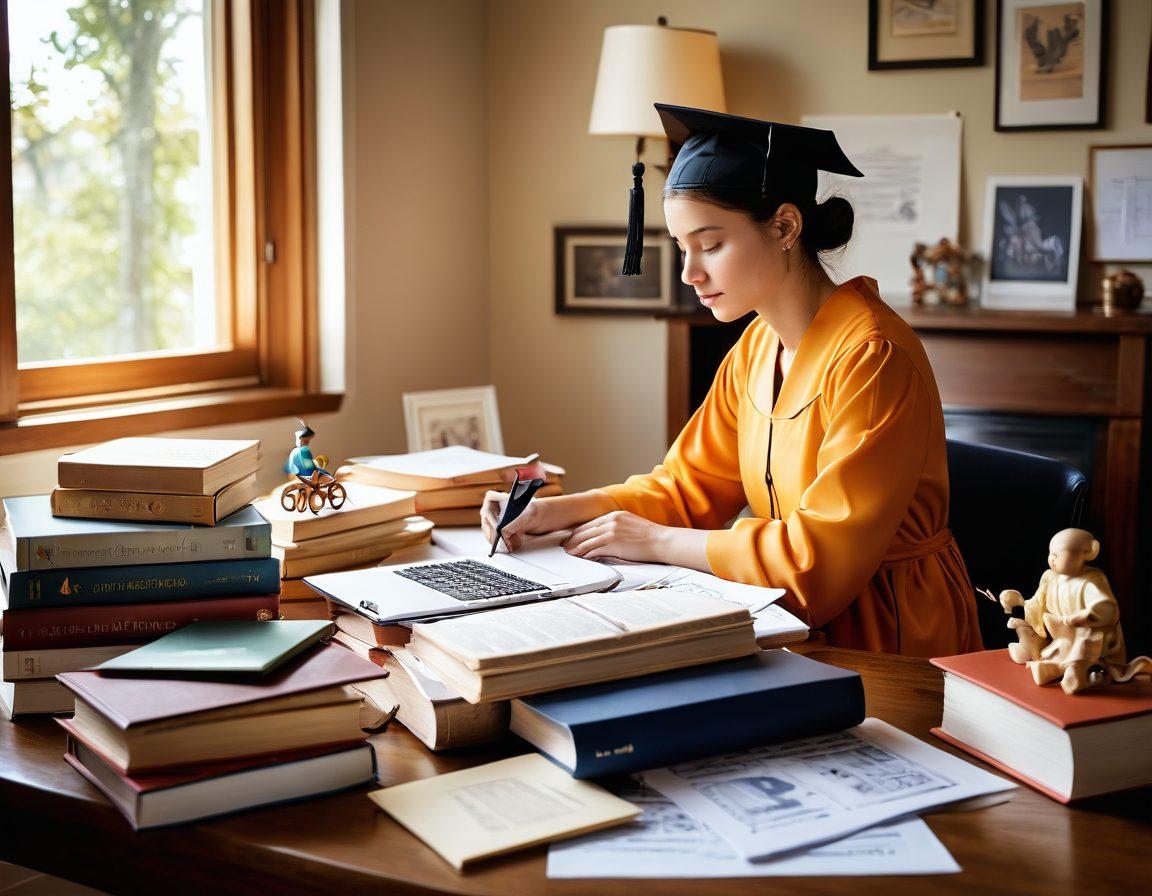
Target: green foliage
102 210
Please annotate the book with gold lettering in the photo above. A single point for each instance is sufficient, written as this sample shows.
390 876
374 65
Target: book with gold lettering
155 507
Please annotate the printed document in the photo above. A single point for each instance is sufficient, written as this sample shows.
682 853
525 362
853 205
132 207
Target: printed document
666 843
781 797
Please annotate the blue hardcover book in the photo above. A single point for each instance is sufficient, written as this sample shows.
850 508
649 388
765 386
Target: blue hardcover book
35 539
668 717
148 583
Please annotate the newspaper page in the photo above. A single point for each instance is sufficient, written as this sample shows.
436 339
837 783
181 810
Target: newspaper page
666 843
777 798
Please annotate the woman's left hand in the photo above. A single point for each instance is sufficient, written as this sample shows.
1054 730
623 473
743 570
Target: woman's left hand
622 535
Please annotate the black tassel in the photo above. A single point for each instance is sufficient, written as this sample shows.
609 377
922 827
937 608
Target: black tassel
635 246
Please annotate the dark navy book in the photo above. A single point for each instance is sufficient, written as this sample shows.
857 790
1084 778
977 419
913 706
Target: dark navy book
147 583
668 717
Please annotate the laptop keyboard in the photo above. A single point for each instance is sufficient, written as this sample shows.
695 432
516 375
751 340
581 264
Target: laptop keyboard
468 580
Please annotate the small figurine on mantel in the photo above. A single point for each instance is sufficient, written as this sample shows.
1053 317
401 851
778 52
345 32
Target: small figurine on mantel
1070 628
315 486
945 264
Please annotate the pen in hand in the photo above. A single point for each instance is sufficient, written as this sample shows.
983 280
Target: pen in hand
518 500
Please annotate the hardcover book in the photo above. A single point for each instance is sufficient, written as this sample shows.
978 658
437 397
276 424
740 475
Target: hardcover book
669 717
61 627
238 647
169 466
39 540
30 665
146 583
156 800
1066 746
155 507
366 505
456 465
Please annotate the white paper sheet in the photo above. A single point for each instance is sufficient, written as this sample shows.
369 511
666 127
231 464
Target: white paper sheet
777 798
666 843
910 191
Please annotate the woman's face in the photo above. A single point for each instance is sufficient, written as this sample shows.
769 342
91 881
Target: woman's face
727 258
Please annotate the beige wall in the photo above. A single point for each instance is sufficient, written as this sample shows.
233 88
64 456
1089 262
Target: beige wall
590 393
414 222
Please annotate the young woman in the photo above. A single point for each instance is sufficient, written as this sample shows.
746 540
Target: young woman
824 419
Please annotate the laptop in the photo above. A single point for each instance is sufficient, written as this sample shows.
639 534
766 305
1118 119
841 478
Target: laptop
428 589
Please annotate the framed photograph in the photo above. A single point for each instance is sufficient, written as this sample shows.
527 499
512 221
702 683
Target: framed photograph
446 417
1120 188
1050 70
1032 242
588 280
925 33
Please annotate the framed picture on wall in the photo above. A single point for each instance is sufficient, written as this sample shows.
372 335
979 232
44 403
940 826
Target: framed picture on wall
588 280
1120 189
1050 72
445 417
925 33
1032 242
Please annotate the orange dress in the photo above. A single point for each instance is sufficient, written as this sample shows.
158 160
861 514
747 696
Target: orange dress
855 523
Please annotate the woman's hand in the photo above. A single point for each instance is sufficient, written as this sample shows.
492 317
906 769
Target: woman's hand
531 522
622 535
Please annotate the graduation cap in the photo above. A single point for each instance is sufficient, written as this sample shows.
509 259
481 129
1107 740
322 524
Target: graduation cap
305 432
734 156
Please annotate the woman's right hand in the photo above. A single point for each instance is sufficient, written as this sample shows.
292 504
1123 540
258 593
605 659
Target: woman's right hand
530 522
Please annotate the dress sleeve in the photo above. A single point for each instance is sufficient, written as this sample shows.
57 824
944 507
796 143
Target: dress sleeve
698 485
868 466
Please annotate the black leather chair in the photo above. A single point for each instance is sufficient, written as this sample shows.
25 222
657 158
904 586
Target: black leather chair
1005 507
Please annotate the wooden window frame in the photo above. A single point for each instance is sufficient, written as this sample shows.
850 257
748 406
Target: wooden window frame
266 262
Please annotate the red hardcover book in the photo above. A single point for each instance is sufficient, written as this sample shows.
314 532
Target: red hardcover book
58 627
1066 746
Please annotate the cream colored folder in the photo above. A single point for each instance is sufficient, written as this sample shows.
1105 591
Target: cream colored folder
501 807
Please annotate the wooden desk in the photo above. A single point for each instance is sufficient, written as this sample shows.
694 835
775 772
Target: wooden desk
56 822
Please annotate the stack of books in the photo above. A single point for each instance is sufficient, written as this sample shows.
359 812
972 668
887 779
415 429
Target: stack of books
156 480
80 591
167 750
450 483
367 528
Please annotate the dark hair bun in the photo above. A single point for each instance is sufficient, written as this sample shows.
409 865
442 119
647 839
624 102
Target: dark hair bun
830 225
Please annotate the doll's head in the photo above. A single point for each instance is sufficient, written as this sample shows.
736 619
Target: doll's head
1070 550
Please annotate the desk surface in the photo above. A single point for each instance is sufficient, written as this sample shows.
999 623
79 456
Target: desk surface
55 821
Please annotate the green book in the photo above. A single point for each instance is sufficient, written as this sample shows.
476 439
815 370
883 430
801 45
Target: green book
248 646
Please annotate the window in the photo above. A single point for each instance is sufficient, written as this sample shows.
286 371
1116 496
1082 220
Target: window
157 225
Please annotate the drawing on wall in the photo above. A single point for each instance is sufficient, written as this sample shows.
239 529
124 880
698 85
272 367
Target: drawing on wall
1050 70
588 280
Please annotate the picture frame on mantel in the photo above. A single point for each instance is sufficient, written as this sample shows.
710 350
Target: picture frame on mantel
588 279
1050 64
918 34
1032 230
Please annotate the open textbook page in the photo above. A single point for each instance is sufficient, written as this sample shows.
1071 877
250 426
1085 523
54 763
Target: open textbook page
773 799
666 843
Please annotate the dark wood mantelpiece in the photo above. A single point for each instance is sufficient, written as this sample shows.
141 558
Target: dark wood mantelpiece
1084 366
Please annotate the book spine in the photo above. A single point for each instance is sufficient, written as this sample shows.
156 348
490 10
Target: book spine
145 507
151 583
21 665
650 740
172 480
53 629
136 548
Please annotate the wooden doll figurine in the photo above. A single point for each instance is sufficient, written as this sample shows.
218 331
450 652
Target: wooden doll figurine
1071 625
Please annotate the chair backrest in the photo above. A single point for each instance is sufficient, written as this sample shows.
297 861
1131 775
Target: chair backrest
1005 506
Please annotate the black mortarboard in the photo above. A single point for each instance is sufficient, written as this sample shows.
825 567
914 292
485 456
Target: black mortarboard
736 156
306 431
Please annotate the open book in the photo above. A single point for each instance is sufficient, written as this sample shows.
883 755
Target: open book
540 647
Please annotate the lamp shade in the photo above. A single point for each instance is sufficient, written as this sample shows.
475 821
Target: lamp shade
645 64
